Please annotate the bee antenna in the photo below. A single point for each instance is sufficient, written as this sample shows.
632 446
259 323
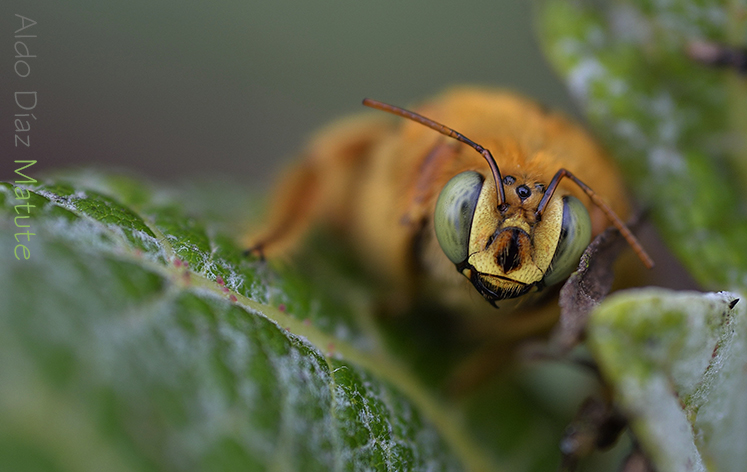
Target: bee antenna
445 130
616 221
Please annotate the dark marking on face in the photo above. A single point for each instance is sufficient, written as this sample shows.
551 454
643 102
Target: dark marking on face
509 180
540 188
510 256
491 238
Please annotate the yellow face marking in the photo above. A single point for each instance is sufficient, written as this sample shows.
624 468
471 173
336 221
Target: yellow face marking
511 246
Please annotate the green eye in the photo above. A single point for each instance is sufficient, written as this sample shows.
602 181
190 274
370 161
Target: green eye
575 234
454 210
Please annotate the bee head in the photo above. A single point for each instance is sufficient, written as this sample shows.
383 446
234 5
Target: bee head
508 243
507 251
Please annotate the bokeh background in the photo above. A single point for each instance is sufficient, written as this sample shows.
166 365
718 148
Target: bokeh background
174 89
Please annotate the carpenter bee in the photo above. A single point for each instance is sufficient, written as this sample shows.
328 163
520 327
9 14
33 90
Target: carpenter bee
433 213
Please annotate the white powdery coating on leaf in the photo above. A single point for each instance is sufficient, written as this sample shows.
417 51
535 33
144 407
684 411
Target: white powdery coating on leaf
665 432
664 157
53 197
303 382
716 15
665 161
628 24
679 364
365 402
77 231
369 417
580 78
631 132
240 350
212 409
235 280
687 18
153 247
617 87
206 260
395 434
595 37
88 234
721 423
669 118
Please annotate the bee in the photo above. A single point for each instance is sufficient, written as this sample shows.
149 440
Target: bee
437 215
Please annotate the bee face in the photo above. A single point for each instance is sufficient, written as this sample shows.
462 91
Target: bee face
509 251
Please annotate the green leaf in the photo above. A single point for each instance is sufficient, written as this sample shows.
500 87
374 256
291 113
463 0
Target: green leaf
137 337
675 126
676 362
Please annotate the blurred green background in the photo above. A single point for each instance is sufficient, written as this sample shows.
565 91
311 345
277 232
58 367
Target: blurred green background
172 89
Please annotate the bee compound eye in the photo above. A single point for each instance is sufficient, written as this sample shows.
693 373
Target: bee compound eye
575 235
455 209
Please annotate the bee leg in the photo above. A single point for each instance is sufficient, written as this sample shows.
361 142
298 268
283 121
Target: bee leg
320 186
256 250
637 462
597 425
718 55
291 212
